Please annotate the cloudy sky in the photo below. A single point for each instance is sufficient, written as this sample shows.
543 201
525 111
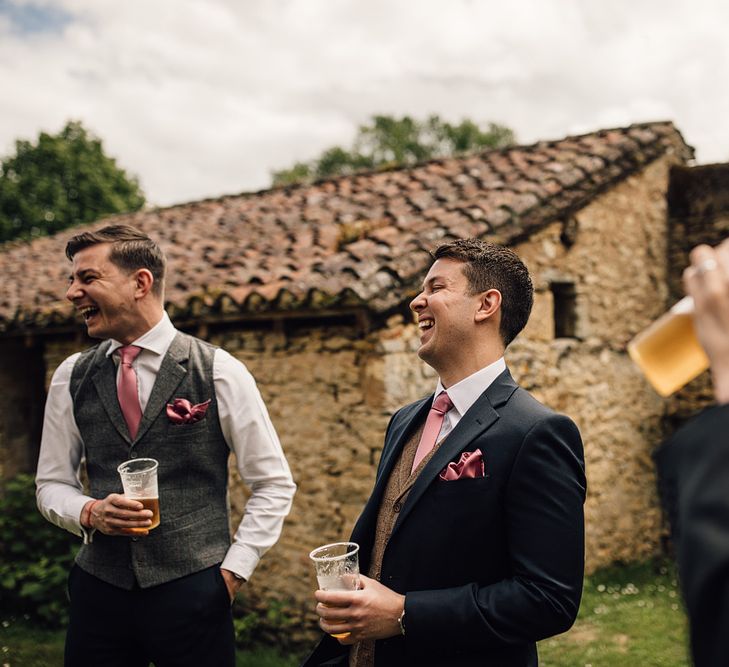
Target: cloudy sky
205 97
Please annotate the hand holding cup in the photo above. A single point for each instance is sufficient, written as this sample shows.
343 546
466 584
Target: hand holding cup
118 515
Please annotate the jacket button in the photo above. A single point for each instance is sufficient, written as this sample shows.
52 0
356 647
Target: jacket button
135 539
133 455
396 507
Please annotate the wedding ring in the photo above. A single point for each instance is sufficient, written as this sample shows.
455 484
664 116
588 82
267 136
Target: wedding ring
706 266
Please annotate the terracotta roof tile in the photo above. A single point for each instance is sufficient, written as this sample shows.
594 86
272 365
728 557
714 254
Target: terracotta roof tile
355 240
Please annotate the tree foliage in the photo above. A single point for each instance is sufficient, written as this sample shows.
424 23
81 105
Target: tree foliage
388 141
62 180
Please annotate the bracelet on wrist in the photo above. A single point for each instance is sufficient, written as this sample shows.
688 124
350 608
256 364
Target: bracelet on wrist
88 514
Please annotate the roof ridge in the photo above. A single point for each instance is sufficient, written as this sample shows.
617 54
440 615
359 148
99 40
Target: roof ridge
291 187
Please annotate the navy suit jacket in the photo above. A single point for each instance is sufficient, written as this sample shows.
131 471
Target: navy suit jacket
488 565
693 474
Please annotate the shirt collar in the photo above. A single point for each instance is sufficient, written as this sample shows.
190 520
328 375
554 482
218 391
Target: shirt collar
156 340
464 393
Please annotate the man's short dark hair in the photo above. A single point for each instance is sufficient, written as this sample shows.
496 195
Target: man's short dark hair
492 266
131 249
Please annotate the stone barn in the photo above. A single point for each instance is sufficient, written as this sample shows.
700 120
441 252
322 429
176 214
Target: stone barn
309 286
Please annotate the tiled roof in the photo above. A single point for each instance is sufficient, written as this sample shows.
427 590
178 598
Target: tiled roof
359 240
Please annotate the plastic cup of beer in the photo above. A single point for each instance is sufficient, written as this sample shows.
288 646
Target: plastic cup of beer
337 569
139 479
668 352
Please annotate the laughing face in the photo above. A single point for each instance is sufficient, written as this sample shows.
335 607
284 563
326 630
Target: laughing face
447 318
104 295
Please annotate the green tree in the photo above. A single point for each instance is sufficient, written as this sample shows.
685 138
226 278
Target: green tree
62 180
388 141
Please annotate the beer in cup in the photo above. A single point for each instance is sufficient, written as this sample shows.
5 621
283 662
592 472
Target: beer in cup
668 352
337 569
139 479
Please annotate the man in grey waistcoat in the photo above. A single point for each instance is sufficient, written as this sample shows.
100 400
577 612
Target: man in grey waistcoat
163 594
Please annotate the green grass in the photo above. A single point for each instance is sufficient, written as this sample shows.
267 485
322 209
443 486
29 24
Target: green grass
25 646
22 645
265 657
630 616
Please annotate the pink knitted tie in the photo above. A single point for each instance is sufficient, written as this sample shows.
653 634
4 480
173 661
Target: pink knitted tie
437 413
127 389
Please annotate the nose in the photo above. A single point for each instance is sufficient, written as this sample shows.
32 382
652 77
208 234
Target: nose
73 291
418 303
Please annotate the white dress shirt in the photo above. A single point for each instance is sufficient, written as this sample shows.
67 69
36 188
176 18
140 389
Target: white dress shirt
464 393
246 426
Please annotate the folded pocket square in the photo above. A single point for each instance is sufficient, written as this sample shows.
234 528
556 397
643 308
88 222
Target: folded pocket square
181 411
469 466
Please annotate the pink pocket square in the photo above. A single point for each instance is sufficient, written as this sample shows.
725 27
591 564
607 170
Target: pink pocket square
469 466
181 411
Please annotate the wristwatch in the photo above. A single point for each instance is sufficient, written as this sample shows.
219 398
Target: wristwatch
401 622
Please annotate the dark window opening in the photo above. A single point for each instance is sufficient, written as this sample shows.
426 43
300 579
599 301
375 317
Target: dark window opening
565 309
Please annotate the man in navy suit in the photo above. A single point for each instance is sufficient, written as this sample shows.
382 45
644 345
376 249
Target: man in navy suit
472 541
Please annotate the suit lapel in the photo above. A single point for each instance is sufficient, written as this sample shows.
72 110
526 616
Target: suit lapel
478 418
406 424
400 430
104 378
171 373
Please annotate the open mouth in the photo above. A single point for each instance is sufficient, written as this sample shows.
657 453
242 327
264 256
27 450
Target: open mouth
87 312
426 324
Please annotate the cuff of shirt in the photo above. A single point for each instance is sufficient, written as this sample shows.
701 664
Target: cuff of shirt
240 560
88 534
75 507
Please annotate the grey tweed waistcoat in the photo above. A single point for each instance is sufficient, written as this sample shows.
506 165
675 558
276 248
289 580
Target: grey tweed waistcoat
193 466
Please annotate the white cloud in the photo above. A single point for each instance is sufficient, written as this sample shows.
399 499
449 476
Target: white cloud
203 97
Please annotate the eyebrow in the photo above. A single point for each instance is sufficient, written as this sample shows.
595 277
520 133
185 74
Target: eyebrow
434 279
81 273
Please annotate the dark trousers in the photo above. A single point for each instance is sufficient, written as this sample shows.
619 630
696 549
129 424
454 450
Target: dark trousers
185 622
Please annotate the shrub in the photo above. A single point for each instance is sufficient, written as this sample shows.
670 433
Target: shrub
35 557
270 626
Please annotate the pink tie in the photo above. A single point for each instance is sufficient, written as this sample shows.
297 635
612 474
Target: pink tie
127 389
433 423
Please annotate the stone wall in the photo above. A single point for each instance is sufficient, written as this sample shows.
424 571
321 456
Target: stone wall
698 210
617 262
21 377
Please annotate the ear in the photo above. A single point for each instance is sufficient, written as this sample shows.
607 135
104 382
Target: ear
489 305
144 280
